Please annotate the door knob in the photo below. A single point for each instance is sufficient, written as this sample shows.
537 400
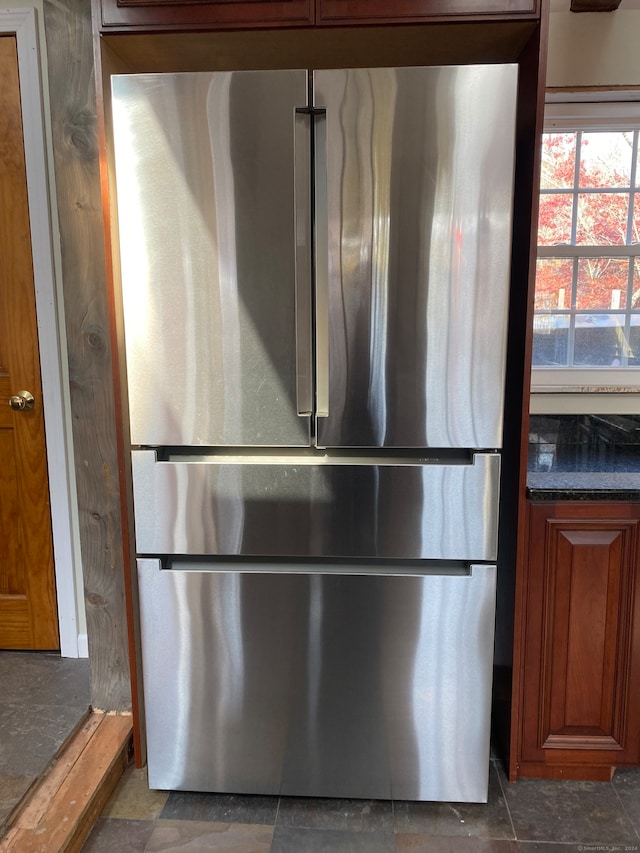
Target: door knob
23 401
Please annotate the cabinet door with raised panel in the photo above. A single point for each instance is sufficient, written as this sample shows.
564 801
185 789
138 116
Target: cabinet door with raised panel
408 11
159 15
582 662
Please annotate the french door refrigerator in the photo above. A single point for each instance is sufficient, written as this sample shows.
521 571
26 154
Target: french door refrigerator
315 274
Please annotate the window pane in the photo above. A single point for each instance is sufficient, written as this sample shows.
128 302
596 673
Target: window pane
602 284
605 159
599 340
554 221
602 219
553 284
634 341
550 339
635 223
558 160
635 290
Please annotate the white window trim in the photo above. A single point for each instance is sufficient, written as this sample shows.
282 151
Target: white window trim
614 389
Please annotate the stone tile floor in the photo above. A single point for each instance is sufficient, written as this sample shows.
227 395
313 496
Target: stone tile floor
43 698
532 816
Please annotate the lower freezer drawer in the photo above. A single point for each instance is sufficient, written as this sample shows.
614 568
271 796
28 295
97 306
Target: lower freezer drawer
315 684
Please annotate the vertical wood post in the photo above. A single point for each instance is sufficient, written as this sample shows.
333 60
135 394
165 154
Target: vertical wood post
73 116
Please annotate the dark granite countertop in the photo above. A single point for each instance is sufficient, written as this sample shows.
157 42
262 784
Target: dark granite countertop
584 457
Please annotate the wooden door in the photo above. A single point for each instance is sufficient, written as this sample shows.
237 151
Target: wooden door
28 616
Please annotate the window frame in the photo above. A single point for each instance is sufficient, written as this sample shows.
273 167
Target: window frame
588 112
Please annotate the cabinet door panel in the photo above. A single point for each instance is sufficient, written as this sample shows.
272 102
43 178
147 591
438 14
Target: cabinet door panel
579 659
589 575
405 11
128 15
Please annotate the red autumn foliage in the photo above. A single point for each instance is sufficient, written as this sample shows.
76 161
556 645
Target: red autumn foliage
601 220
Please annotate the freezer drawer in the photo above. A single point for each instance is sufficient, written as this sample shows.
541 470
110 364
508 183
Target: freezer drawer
366 511
316 684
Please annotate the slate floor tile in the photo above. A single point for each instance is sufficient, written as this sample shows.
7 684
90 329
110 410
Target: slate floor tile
583 813
414 843
224 808
43 678
626 784
133 799
12 790
43 698
32 735
293 839
200 837
66 683
567 847
118 836
353 815
482 820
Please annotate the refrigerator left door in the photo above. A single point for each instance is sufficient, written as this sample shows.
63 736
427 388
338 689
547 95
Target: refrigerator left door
212 170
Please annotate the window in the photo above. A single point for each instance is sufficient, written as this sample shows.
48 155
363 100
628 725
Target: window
587 300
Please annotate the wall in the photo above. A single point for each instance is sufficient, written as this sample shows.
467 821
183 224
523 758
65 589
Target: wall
594 49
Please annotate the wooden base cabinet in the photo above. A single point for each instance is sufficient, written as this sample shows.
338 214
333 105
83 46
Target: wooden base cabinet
577 709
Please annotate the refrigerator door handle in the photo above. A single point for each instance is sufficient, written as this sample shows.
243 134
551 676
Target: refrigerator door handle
303 226
321 264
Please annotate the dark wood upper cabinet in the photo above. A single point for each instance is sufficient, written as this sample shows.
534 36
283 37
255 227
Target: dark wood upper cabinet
185 15
120 16
412 11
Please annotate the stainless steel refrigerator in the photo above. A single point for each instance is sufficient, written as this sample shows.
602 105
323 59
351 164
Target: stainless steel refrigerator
315 277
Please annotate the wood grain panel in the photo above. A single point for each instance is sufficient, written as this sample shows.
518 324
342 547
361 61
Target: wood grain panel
581 661
72 101
11 567
406 11
589 574
159 15
592 622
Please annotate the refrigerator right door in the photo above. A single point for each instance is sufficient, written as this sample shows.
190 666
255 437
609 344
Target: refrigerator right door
414 213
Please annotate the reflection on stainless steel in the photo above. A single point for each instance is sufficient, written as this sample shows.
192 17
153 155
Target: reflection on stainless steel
303 236
318 685
420 173
321 268
416 511
206 208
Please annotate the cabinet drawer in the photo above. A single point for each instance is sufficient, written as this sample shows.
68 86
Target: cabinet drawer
142 15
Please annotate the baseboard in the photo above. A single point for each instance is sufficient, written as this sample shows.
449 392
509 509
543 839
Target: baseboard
83 646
